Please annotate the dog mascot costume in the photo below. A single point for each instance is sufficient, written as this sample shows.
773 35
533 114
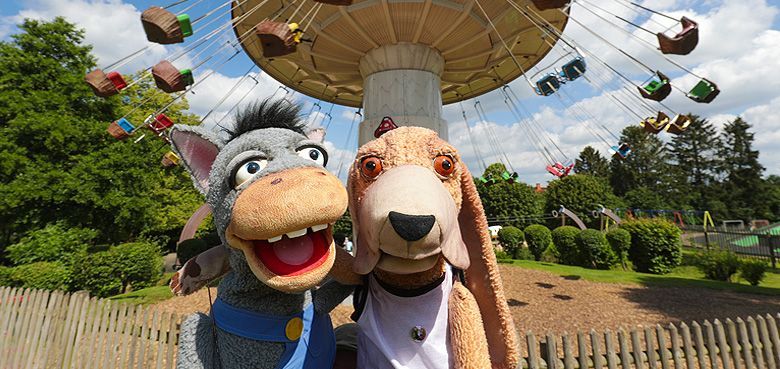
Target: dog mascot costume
273 204
431 294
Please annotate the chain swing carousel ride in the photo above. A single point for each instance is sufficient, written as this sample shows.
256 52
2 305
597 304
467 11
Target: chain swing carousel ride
399 61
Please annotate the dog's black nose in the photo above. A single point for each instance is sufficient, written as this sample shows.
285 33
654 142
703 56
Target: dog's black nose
411 227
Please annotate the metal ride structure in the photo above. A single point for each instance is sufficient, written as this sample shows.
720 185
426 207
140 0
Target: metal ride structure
405 59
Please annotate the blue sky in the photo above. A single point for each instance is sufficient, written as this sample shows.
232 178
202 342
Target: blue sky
739 50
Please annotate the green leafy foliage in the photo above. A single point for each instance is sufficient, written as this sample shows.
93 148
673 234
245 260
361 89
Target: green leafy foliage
596 251
753 271
501 254
523 253
620 241
719 265
591 162
58 164
52 243
696 162
41 275
343 226
538 238
507 202
511 239
655 245
131 265
647 166
581 194
743 188
564 239
645 198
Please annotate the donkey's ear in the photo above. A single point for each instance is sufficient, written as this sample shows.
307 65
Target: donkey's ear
316 135
198 147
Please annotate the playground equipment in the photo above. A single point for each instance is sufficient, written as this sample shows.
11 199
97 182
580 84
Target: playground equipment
566 213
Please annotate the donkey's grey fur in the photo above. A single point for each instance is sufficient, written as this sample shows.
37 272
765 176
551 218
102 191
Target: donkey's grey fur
201 343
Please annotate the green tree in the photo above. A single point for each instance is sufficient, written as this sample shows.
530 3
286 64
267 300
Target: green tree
507 202
580 193
743 189
645 167
591 162
58 164
645 198
695 157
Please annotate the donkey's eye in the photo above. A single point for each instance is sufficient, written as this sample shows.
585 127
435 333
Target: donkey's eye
313 153
247 170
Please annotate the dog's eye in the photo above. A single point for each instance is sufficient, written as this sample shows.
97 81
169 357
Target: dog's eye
371 167
444 165
247 170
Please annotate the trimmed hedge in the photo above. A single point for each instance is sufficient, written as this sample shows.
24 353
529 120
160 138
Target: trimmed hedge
55 242
753 271
564 239
655 245
596 251
719 265
511 239
131 265
620 241
42 275
538 238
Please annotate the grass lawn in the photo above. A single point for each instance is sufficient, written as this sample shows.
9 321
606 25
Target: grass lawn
682 276
149 295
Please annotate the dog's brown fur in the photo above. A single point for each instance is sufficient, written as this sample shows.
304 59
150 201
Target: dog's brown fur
481 328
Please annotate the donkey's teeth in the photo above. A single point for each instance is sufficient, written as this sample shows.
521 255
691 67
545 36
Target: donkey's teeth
318 227
297 233
274 239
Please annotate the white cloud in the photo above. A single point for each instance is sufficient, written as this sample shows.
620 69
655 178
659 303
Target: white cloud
112 27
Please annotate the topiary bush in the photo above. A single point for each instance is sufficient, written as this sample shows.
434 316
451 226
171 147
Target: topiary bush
620 241
564 239
123 267
511 239
719 265
5 275
655 245
551 255
595 250
42 275
538 238
55 242
523 253
753 271
96 273
139 264
501 254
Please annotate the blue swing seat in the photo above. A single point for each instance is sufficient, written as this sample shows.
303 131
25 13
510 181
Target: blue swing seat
621 151
573 69
547 85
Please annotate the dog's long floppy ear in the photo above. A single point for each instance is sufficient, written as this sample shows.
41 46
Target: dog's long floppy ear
198 147
483 278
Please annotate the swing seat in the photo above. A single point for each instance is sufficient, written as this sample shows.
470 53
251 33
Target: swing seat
683 42
621 151
160 123
105 85
547 85
656 89
549 4
335 2
170 159
120 129
164 27
704 92
679 124
277 38
573 69
656 124
509 177
170 79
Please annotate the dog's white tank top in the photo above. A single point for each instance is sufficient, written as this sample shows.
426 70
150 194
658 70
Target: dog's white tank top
399 332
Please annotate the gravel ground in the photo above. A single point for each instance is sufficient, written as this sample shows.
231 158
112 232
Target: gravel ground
544 302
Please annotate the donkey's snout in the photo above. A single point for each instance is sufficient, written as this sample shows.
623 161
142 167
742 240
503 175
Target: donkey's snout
411 227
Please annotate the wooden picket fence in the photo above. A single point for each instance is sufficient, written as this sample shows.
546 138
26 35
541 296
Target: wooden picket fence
42 329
